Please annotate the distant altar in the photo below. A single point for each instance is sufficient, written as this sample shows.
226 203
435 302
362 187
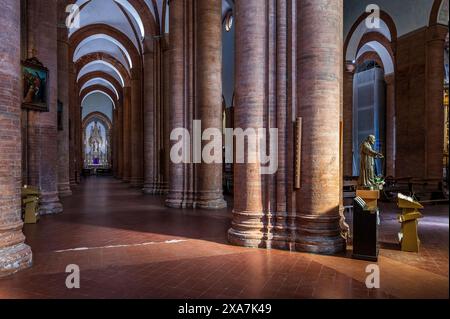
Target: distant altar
97 153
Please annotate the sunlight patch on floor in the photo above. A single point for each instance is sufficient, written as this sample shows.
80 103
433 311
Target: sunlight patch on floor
173 241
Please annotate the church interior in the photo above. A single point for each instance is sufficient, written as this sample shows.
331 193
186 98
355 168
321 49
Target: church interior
352 95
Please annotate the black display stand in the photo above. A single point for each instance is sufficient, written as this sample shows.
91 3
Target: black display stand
365 231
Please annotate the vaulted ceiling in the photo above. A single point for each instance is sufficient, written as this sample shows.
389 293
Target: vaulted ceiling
136 19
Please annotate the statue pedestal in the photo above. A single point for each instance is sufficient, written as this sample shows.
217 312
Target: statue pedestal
370 197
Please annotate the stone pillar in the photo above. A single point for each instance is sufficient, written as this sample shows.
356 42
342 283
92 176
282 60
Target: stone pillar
166 112
391 118
249 221
114 142
434 102
150 149
14 254
209 97
347 115
119 124
136 130
43 137
72 115
63 97
126 134
181 104
79 137
281 217
319 81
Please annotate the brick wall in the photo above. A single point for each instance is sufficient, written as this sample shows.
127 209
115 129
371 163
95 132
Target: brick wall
411 90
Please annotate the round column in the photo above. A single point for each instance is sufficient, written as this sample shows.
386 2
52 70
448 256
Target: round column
434 103
126 134
136 131
72 116
150 152
119 124
14 254
63 97
209 98
349 73
176 195
249 221
319 82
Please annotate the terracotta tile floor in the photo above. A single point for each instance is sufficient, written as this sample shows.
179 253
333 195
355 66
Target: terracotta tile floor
130 246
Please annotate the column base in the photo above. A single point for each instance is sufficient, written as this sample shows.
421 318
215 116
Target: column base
319 234
281 238
212 204
157 188
249 229
320 245
136 182
249 239
180 200
50 204
14 259
64 190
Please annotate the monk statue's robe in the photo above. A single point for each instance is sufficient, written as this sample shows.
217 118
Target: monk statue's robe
367 164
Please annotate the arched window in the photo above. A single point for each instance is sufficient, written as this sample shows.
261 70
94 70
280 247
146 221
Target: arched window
369 110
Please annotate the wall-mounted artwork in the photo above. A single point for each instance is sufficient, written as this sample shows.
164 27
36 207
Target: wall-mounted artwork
35 83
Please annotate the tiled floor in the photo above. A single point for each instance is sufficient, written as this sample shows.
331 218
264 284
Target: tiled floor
130 246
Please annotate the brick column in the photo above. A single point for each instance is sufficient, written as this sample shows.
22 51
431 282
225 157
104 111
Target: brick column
126 134
63 97
136 131
43 135
114 143
156 179
162 124
73 89
281 231
119 124
391 117
14 254
150 114
181 104
249 221
319 81
347 115
79 138
209 97
165 94
434 102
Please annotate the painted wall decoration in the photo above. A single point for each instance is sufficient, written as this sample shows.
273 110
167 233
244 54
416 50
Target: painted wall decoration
35 84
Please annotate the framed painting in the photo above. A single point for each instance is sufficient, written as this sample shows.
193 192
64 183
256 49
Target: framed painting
35 83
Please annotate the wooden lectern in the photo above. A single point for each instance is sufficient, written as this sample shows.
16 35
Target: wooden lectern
408 235
30 203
